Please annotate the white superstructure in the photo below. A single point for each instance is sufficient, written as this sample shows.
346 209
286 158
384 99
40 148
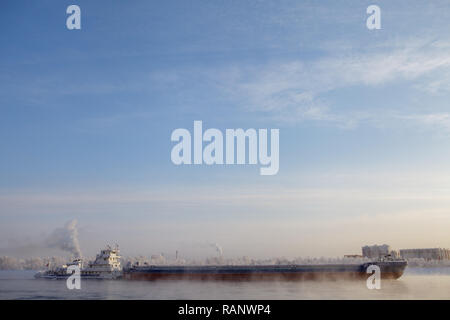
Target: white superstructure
106 265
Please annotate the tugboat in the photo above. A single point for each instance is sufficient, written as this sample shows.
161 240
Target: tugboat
105 266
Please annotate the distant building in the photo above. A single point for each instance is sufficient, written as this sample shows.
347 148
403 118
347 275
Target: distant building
378 251
427 254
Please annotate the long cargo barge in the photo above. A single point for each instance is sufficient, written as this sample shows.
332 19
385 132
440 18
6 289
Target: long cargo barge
392 269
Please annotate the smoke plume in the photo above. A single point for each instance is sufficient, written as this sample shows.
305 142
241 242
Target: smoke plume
66 239
218 248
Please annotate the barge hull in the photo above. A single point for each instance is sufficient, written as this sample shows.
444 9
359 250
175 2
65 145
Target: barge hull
389 270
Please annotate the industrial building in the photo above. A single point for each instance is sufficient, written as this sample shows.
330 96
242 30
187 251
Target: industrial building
427 253
378 251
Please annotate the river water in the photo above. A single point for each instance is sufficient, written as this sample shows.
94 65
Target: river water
416 283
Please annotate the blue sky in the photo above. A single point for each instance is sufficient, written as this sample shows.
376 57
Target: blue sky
364 119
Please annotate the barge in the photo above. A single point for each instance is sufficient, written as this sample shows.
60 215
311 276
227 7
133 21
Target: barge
389 269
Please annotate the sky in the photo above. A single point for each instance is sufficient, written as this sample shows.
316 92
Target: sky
87 115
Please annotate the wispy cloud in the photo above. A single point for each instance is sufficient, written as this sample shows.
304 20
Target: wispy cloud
299 90
440 121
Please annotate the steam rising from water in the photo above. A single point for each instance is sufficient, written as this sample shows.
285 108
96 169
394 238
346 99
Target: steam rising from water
66 239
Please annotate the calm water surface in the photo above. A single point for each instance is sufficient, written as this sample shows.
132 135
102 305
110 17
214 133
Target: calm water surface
431 283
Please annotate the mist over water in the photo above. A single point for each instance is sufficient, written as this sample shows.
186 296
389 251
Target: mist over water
416 283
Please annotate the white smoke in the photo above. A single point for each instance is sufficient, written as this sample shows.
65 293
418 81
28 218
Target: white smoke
218 248
66 239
